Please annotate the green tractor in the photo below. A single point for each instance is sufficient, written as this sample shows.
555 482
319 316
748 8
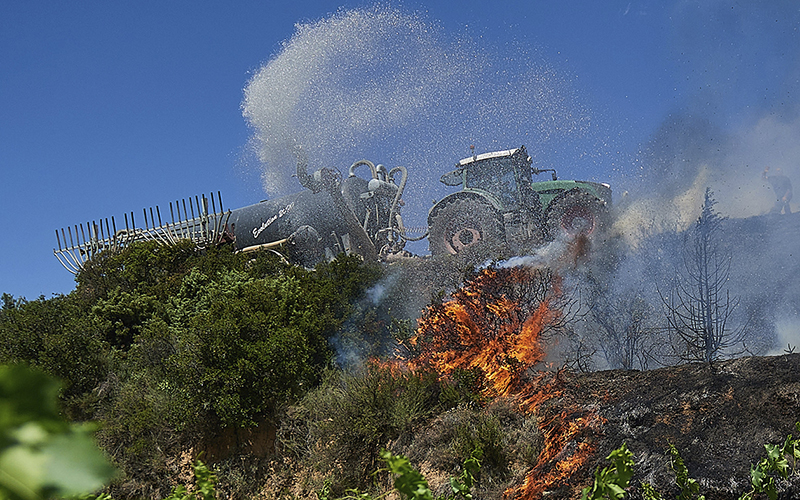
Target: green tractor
500 205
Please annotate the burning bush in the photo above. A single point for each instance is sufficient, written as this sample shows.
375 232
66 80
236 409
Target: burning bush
496 324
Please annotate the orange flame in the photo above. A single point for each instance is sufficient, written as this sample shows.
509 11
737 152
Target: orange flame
495 324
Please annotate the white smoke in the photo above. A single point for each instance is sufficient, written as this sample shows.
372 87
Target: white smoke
547 256
769 142
788 332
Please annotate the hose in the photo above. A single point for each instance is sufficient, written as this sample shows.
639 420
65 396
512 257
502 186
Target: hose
352 171
403 178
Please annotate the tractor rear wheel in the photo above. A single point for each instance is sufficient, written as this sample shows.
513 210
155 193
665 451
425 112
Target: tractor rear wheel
463 224
577 213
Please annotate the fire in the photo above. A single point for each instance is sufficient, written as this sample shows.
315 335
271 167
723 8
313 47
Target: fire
497 324
493 323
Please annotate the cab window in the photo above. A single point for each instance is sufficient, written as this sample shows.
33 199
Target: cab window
495 175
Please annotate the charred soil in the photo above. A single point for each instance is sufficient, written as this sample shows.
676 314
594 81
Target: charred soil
718 417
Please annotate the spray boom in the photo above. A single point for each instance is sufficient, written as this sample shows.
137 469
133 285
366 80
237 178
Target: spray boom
203 225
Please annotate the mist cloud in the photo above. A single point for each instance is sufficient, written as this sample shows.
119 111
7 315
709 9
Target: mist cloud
380 81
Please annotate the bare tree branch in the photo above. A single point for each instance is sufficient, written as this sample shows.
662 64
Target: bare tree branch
699 307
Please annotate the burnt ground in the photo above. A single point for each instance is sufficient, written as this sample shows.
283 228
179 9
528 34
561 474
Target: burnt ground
719 417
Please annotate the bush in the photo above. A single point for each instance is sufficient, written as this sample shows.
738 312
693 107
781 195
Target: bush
509 441
159 342
483 433
57 336
354 414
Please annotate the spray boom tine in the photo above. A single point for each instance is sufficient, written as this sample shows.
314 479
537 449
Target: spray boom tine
199 212
80 238
186 217
66 260
202 222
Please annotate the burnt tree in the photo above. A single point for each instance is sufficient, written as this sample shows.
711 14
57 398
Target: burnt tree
699 307
628 339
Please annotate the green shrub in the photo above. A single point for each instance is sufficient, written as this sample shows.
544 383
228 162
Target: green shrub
352 415
780 460
41 455
158 342
483 432
205 485
57 336
611 481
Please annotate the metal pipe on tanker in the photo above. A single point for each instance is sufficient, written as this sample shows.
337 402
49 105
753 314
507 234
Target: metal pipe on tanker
326 179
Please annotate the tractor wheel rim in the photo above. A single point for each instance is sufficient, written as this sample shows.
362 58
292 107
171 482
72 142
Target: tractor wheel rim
463 238
578 220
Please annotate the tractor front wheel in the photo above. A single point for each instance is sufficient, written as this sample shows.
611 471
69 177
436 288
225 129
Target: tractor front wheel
577 213
462 225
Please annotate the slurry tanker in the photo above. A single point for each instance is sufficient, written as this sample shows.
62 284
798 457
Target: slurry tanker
498 203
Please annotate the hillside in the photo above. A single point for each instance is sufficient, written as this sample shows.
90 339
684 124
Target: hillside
719 417
289 382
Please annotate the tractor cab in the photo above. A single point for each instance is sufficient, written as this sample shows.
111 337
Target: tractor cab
504 177
496 204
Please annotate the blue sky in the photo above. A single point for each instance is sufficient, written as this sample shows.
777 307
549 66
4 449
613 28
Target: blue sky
110 107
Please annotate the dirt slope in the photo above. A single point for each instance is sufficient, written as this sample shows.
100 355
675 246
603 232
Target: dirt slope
718 417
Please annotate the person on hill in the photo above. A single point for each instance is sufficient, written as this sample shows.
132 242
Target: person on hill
782 187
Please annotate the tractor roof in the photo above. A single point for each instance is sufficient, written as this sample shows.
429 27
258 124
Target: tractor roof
484 156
